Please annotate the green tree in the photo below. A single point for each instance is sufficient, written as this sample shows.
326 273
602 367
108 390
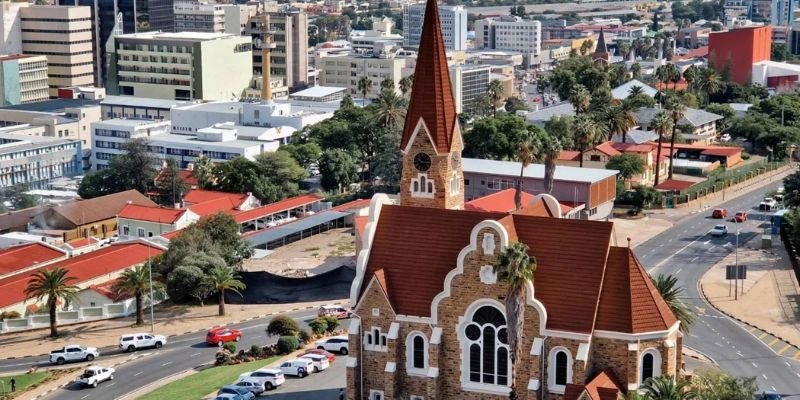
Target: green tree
580 99
405 84
223 278
560 127
779 52
628 165
387 84
514 104
388 163
661 123
188 281
170 185
52 285
305 154
391 109
665 388
515 268
587 133
525 155
364 86
338 170
496 138
132 170
136 282
495 94
282 326
672 293
714 384
636 71
223 233
676 111
727 113
548 152
791 185
204 172
620 117
707 84
18 197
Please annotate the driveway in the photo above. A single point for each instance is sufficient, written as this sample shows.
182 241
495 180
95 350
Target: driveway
323 385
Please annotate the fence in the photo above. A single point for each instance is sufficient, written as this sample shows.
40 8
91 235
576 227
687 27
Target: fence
720 181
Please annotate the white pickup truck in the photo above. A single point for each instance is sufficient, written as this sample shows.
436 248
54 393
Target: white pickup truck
94 375
767 204
72 353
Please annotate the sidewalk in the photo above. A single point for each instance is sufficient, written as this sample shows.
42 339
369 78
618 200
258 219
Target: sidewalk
771 300
170 321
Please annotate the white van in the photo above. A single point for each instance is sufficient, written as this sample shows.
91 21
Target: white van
299 367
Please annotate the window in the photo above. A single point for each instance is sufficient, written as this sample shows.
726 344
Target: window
422 186
559 369
140 232
594 157
376 395
374 340
486 348
416 353
649 365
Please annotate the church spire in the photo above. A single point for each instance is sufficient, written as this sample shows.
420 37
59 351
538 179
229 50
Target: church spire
600 54
431 94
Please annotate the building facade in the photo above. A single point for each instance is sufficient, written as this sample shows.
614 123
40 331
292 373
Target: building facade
180 66
64 35
35 160
211 18
454 25
433 324
110 136
509 33
10 29
470 84
290 34
23 79
738 49
345 71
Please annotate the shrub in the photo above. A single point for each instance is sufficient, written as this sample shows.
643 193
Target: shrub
222 358
256 350
282 326
304 336
287 344
318 325
230 347
332 323
9 315
745 155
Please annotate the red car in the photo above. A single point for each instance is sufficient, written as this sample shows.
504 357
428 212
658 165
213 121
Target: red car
719 213
331 356
740 216
220 335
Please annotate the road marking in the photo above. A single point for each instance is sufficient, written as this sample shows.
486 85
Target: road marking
783 350
773 389
85 397
111 384
718 344
773 342
754 365
752 329
763 335
138 373
694 259
765 376
678 271
166 363
664 261
787 364
194 355
739 353
707 242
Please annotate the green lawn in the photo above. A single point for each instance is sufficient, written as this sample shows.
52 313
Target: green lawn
202 383
24 381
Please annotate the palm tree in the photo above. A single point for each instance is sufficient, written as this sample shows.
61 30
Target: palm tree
635 91
364 87
636 71
661 123
690 75
405 84
223 278
586 132
708 83
52 284
515 267
580 99
387 84
676 111
391 108
549 152
136 282
204 172
495 94
620 118
667 286
665 388
525 155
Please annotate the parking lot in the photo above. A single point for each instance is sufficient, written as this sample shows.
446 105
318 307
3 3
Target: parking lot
323 385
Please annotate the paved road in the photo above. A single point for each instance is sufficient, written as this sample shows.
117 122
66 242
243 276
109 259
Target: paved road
687 251
180 354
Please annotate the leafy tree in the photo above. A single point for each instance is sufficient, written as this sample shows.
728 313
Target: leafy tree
331 323
18 198
779 52
628 165
364 86
588 132
560 127
188 281
665 388
714 384
136 282
619 118
223 232
170 184
391 108
495 94
792 186
204 172
131 170
338 169
496 138
661 123
752 125
271 177
672 293
646 196
387 84
727 113
636 71
287 344
318 325
514 104
52 285
775 141
580 99
405 84
515 268
304 153
707 84
282 326
388 163
222 278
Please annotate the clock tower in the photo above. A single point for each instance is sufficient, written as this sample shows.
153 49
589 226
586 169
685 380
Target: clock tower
431 143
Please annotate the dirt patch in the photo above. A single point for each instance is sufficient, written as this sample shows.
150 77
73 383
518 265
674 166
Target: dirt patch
311 256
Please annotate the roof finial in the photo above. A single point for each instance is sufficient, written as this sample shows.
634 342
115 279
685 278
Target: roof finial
629 242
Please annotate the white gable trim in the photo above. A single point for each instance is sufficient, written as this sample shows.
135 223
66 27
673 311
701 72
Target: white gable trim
583 337
374 281
638 336
420 125
375 205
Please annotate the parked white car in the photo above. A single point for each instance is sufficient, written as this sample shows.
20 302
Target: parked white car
299 367
73 353
135 341
767 204
270 378
320 362
95 375
335 344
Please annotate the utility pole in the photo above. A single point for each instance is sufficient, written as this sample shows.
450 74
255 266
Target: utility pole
152 299
736 267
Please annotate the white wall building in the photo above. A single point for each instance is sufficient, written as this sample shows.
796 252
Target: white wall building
509 33
10 28
211 18
345 72
35 160
469 84
453 20
109 137
364 41
281 115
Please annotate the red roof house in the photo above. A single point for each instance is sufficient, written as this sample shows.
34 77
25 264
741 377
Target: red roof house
18 258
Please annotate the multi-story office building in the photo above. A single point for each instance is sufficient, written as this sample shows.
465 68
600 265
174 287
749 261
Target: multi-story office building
137 108
60 118
64 35
290 35
469 84
453 21
782 12
10 30
180 66
346 71
510 34
35 160
364 41
110 136
204 17
23 79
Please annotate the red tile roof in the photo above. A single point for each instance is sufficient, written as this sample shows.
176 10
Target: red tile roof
431 95
152 214
361 203
283 205
82 242
629 301
360 225
20 257
694 53
172 235
196 196
604 386
84 267
502 201
607 148
681 85
107 290
225 205
722 151
569 155
634 148
674 185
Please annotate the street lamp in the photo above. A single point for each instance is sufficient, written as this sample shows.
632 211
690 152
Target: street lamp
736 264
152 299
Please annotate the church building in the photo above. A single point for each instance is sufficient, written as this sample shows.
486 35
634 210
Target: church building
429 312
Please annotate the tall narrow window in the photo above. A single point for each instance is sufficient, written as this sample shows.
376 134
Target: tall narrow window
419 352
488 347
561 368
647 367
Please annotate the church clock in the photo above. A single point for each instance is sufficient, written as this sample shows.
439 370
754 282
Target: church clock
422 162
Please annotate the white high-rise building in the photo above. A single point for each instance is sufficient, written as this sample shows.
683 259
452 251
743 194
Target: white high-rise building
212 18
453 20
509 33
10 29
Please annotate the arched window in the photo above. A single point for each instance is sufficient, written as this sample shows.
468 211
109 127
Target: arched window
418 349
649 365
416 353
430 187
559 369
487 343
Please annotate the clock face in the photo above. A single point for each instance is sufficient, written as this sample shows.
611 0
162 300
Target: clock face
422 162
455 160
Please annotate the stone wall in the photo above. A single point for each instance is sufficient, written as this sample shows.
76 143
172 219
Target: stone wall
440 173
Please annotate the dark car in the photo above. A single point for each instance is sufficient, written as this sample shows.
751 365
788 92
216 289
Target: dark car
771 396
